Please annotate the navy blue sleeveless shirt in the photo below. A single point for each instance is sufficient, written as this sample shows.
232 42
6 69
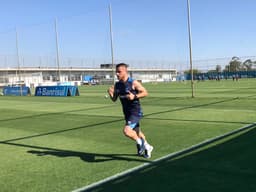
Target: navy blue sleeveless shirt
131 108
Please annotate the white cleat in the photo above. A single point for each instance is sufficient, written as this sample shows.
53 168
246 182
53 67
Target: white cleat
148 151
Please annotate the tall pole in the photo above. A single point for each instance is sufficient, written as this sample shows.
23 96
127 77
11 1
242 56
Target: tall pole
57 49
111 42
18 62
190 49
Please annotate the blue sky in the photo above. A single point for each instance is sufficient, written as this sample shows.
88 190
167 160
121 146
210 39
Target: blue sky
142 29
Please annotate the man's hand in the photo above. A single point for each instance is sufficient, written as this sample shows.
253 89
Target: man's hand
111 91
130 96
112 94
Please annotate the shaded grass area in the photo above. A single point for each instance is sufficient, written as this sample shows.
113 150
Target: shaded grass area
228 165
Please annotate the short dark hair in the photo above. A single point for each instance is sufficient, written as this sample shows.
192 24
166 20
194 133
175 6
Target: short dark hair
121 65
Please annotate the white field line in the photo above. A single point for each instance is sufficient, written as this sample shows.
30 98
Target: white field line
169 156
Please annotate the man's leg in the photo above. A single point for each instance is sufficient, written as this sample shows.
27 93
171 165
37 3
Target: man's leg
140 133
143 139
148 148
129 131
132 130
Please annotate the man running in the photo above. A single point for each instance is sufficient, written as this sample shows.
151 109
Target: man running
129 92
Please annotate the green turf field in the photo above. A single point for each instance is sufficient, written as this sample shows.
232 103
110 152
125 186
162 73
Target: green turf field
65 143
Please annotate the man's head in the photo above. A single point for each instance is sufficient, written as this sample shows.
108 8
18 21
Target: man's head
122 71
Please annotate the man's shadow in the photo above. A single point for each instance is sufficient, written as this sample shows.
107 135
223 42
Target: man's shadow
88 157
85 156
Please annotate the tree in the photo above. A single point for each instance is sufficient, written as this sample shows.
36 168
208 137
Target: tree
218 68
247 64
195 71
234 65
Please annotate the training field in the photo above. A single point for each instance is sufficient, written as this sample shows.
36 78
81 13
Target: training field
67 143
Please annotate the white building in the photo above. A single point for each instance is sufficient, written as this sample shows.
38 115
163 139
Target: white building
33 77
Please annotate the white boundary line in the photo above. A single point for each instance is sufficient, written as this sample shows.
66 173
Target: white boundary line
171 155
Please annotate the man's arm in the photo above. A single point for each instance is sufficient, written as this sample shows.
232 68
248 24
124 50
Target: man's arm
142 92
112 93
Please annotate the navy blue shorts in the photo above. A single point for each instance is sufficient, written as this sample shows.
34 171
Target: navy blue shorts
133 121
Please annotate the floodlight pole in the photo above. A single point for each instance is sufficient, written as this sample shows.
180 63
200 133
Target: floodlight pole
57 48
111 42
190 49
18 61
